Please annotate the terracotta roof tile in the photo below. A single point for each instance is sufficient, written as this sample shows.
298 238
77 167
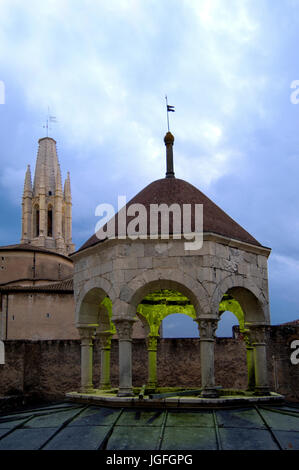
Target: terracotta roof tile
61 286
174 190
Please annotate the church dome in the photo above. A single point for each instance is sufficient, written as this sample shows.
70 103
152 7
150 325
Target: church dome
177 191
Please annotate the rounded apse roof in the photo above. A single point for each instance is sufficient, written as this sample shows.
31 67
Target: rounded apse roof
176 191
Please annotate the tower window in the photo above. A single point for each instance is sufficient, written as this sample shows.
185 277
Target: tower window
37 222
50 193
50 223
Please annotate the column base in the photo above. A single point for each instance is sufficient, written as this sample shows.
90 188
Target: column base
262 391
125 392
209 393
151 387
105 386
87 390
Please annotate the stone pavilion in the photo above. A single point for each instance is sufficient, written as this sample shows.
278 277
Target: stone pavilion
113 276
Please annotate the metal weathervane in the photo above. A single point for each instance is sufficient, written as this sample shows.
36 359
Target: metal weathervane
168 109
50 119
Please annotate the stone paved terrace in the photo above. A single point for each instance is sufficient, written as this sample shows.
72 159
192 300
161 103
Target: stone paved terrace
73 426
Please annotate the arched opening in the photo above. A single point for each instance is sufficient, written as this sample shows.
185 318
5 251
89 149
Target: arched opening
179 325
94 321
63 224
50 222
231 314
230 354
249 355
251 307
226 324
36 221
166 306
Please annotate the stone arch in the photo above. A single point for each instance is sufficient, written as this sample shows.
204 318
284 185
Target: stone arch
88 301
154 280
251 298
145 324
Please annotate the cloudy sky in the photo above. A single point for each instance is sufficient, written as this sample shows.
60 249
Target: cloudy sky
103 68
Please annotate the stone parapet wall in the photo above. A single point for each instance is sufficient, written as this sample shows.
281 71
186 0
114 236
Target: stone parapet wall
49 369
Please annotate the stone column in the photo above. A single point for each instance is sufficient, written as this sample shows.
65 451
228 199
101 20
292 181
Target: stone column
207 328
86 335
250 360
257 336
105 342
151 342
124 330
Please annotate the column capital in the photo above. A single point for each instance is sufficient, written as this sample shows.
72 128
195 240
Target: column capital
151 343
207 328
247 338
256 333
86 333
124 327
105 339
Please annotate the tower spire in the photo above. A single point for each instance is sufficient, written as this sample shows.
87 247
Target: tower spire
27 182
47 210
67 188
58 188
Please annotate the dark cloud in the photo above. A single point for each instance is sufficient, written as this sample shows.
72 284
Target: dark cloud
104 74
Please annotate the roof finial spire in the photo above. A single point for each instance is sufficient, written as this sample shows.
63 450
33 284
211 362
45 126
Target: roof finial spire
48 121
169 109
169 139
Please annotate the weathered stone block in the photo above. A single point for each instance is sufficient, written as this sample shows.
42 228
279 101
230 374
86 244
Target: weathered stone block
250 258
228 265
206 274
129 274
145 263
106 267
211 261
125 293
136 250
262 261
171 262
125 263
234 253
149 249
161 249
244 269
176 248
221 251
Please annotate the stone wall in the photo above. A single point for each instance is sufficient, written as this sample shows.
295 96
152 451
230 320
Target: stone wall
21 266
49 369
37 316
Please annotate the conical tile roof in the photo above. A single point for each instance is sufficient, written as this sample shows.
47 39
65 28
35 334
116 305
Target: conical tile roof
176 191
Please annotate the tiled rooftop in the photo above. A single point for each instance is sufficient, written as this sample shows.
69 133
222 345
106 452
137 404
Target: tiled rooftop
74 426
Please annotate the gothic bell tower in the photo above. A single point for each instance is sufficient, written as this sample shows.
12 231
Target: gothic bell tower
46 207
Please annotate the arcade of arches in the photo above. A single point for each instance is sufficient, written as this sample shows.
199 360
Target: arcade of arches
102 313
